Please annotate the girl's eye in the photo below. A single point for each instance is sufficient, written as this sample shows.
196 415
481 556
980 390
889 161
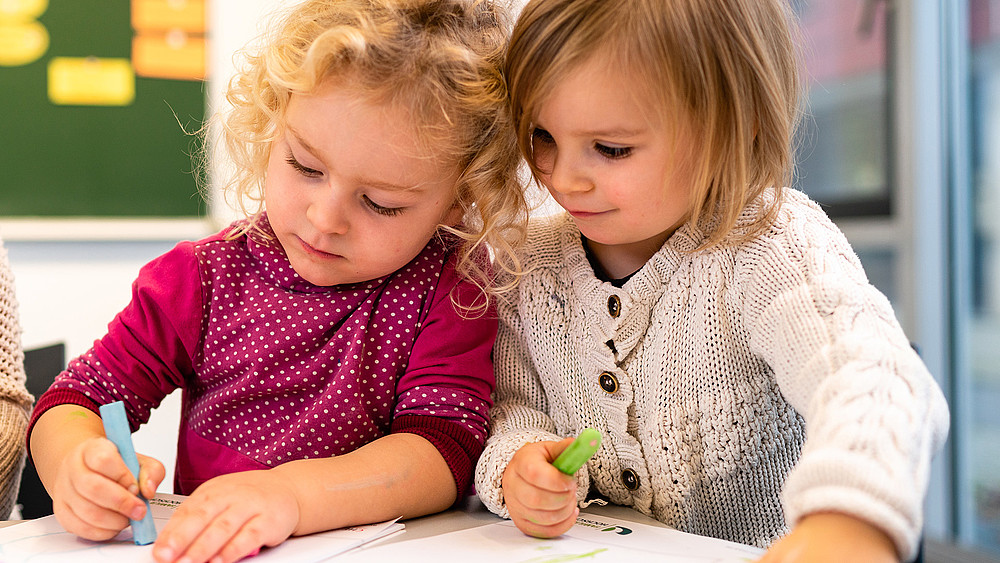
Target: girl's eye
307 172
540 136
381 210
612 152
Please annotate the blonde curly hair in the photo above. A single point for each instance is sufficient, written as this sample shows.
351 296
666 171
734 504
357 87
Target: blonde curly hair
440 60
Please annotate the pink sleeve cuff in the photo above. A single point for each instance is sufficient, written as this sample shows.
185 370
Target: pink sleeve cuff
54 398
457 445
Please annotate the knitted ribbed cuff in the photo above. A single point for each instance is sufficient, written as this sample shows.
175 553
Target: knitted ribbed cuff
13 422
457 445
54 398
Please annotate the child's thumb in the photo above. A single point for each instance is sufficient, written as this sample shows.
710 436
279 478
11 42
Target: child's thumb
151 474
553 449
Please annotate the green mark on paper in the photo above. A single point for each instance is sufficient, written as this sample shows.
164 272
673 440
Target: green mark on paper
564 558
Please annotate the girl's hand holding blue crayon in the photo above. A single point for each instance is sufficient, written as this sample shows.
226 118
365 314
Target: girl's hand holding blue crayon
93 492
540 498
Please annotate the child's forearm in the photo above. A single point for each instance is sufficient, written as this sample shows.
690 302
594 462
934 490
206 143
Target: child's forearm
399 475
55 433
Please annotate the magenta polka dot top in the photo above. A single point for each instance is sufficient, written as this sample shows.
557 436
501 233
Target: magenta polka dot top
275 369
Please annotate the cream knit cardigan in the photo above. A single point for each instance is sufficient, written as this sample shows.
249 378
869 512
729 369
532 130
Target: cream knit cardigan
15 402
723 359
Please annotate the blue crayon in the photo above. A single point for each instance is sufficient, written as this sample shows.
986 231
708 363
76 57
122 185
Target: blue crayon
117 430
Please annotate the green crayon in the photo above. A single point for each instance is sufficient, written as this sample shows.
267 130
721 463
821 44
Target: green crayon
573 457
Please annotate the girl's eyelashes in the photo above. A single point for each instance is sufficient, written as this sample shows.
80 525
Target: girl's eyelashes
305 171
612 152
542 139
541 136
381 210
311 173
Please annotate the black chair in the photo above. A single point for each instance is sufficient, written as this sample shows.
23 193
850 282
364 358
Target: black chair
41 365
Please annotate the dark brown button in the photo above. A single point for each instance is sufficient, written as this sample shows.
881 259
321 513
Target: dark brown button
608 382
630 479
614 306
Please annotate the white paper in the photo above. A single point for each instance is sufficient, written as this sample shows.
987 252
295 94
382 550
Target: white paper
592 538
43 540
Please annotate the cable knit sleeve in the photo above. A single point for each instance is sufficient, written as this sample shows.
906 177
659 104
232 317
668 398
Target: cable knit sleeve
15 402
874 415
519 415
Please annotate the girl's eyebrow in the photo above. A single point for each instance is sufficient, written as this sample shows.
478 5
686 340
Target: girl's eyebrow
305 144
613 132
388 186
370 182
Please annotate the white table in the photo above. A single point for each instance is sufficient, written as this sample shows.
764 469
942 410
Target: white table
470 513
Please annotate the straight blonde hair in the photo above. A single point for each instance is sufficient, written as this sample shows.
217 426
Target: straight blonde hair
727 68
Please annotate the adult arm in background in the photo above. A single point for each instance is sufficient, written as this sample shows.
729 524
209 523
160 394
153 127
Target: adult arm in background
15 402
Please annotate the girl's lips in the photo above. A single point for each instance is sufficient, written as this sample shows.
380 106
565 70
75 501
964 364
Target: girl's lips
585 214
315 251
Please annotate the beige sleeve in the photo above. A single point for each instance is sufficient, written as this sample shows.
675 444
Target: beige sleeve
15 402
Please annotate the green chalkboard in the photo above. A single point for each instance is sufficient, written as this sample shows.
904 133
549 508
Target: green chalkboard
132 160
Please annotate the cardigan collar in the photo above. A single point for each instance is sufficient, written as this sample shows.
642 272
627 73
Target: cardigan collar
646 281
634 301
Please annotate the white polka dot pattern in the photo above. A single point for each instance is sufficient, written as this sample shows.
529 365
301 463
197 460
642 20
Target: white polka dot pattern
287 370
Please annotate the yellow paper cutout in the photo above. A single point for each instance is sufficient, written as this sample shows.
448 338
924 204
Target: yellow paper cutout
91 81
163 15
21 10
173 55
22 43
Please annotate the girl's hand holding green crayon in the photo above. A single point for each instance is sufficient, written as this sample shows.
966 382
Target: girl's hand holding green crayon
540 498
228 518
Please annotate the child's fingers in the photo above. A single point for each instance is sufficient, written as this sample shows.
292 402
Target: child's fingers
90 522
246 542
540 498
183 528
97 495
102 457
87 503
555 448
535 497
540 507
534 524
199 533
105 482
533 464
549 517
151 474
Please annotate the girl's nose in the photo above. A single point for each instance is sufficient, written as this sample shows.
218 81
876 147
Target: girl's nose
329 213
567 176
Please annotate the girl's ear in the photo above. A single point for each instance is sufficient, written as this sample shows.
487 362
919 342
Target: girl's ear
454 215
